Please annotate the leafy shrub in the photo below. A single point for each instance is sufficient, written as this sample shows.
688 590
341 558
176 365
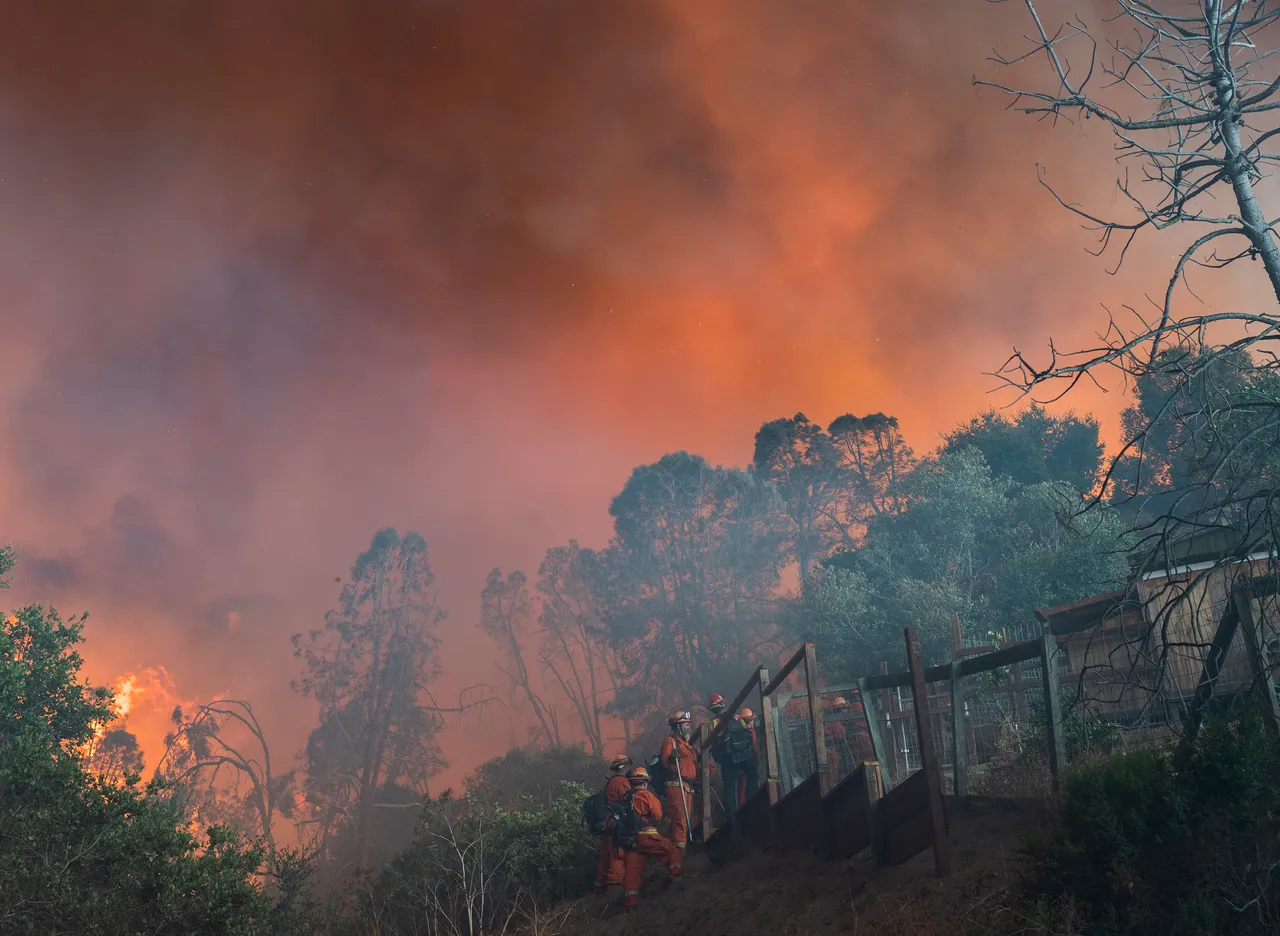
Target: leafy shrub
1149 845
1082 735
83 854
473 867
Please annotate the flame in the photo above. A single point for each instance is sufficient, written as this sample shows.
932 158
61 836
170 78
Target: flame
125 689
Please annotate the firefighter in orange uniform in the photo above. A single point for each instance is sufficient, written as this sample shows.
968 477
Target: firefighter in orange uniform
609 867
681 760
649 844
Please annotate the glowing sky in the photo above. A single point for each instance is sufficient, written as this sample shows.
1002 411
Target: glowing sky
275 275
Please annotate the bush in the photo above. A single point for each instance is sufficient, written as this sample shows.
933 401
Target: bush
1146 845
81 853
472 867
1082 736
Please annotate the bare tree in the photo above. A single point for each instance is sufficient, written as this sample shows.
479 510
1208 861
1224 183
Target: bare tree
220 749
506 614
1201 80
576 653
1187 91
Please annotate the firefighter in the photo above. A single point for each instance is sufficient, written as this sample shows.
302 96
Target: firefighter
716 706
681 760
649 844
736 752
609 867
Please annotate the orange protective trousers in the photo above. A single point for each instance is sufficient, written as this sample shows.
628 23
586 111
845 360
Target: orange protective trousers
649 844
609 867
676 812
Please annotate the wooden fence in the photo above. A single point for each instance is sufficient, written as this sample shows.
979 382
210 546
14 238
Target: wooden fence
839 815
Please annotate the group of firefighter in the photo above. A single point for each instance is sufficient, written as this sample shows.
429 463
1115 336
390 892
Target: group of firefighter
672 792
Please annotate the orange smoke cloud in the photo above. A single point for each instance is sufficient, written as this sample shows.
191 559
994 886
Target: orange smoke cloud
458 268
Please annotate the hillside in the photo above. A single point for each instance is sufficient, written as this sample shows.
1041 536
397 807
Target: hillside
756 892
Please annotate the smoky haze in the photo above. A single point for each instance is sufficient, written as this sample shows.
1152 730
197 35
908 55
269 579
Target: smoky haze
276 275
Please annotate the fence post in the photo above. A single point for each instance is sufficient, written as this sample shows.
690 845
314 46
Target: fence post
875 791
928 759
770 740
1018 689
815 716
959 742
873 729
1242 597
1052 709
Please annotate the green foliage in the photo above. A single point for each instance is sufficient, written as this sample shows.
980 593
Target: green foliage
1034 447
533 778
690 577
967 544
1082 734
548 850
472 868
1147 846
79 854
40 690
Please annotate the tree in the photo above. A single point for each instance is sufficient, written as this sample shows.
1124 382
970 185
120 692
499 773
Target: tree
115 756
966 544
874 459
1204 112
370 669
81 853
1035 446
576 651
800 459
220 751
691 575
40 693
506 614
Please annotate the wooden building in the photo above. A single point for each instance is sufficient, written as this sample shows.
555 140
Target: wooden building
1138 654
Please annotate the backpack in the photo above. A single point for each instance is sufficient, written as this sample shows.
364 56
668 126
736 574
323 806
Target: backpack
659 773
595 812
736 744
623 823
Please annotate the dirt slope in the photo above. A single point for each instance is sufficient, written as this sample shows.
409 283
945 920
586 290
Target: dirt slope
761 893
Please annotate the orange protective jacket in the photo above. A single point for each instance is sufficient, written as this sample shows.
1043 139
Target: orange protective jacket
647 807
616 789
673 749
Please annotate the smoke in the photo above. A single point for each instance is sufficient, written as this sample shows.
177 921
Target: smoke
273 276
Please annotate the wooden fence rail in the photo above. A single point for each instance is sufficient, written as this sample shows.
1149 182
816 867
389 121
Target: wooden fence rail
839 816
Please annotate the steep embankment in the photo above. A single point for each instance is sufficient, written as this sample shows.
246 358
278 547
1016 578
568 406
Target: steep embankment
755 892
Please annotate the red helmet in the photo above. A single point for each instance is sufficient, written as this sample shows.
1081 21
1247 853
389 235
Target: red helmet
716 702
621 762
680 718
